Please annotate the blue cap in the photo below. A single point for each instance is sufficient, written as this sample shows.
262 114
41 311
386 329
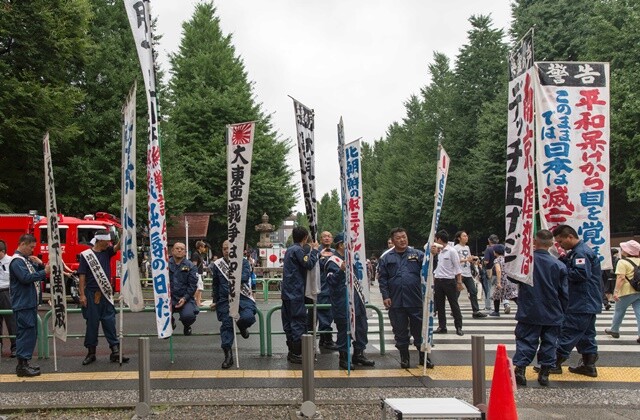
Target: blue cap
498 249
338 238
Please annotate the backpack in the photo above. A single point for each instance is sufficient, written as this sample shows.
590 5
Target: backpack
635 280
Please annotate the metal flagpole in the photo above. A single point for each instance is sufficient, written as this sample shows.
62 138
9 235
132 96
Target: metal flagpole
55 352
235 343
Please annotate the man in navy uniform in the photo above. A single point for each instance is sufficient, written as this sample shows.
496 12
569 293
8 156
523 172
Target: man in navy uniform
400 285
325 316
337 283
540 311
585 302
96 296
183 276
297 263
220 295
25 273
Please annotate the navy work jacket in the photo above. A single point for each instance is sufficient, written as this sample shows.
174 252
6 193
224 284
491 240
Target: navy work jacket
545 302
23 292
337 282
294 274
399 277
184 280
585 287
324 287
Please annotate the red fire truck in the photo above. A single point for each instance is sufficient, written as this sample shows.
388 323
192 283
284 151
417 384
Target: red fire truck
75 237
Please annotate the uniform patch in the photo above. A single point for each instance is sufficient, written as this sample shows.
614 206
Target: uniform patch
412 257
579 261
306 258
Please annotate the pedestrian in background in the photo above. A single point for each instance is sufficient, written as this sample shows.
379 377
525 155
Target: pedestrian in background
624 294
502 289
466 262
5 298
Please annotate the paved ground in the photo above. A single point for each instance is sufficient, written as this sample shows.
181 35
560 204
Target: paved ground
193 385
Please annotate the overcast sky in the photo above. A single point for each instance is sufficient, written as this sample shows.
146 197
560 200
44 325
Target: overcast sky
357 59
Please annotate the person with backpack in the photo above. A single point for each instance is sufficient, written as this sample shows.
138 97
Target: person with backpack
625 294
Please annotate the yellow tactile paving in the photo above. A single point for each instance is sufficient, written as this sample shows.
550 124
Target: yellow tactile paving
439 373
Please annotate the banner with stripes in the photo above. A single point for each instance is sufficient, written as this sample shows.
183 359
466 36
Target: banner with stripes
520 180
239 154
573 137
139 15
58 292
130 289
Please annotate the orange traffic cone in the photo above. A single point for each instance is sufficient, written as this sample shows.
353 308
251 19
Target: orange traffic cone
502 404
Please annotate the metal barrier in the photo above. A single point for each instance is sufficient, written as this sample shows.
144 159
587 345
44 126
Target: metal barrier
266 282
44 337
269 332
39 344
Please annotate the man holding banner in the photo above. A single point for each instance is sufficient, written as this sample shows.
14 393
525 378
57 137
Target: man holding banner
96 296
297 263
25 274
220 296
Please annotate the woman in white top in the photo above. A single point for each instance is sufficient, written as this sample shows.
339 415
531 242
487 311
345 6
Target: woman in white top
624 294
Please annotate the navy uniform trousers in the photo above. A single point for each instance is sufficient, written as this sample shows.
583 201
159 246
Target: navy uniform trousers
247 312
102 313
26 334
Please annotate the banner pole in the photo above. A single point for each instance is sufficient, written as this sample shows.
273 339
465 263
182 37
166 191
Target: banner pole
235 343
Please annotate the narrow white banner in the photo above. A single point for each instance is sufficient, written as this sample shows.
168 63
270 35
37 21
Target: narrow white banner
428 308
304 130
573 137
239 154
342 162
58 292
520 185
130 287
140 21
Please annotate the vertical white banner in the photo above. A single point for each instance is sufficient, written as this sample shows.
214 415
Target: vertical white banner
239 154
139 15
342 162
58 292
428 308
130 287
520 185
573 137
305 129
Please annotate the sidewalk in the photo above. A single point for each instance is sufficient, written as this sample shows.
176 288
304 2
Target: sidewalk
281 403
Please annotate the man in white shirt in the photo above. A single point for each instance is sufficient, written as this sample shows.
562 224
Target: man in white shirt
5 297
447 282
466 259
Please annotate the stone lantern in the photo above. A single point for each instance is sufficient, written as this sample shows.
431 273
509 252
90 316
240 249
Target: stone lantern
265 228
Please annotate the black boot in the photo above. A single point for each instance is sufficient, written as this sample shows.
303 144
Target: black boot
296 352
405 361
228 359
360 359
23 369
587 366
289 350
543 375
115 354
91 356
421 360
344 362
520 372
328 343
557 369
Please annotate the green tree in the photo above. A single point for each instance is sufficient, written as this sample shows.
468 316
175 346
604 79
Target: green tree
330 213
43 47
209 89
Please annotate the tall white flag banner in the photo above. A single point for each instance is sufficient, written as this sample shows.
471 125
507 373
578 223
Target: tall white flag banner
342 162
139 15
58 292
573 135
428 308
520 185
239 154
131 289
304 130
